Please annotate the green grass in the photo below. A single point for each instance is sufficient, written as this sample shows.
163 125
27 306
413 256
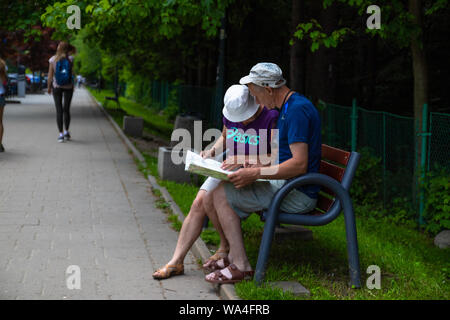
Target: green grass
154 122
411 266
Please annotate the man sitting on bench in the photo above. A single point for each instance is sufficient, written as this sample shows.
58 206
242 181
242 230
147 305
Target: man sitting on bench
299 134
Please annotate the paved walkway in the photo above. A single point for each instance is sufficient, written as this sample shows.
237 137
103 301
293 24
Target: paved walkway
83 203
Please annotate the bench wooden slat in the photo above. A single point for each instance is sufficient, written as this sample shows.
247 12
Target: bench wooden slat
324 203
315 212
331 170
327 191
336 155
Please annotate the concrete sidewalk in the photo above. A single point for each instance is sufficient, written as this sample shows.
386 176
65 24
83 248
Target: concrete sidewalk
82 203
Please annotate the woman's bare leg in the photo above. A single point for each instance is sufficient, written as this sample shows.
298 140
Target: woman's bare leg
190 230
1 123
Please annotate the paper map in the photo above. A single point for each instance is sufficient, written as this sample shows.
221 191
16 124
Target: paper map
206 167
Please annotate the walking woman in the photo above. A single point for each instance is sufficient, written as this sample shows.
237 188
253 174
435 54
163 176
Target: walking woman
3 79
61 82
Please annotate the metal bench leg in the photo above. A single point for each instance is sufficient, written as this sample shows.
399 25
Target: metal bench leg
352 245
205 222
264 248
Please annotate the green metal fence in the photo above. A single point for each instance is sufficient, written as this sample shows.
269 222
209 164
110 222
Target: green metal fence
199 101
388 136
439 146
391 138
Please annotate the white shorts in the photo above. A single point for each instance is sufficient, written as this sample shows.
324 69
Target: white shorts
210 184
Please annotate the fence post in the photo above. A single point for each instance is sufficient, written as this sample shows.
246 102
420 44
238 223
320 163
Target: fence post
384 159
423 161
354 119
164 94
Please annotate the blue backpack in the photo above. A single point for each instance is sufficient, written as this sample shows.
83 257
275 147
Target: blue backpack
63 72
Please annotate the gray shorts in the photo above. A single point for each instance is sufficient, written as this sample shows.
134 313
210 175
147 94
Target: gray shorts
258 195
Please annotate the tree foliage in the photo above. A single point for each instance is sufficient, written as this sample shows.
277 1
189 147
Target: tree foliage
397 25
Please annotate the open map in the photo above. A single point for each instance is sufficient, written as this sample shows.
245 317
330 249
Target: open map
207 167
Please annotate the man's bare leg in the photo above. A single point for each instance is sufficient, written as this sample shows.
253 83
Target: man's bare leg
208 205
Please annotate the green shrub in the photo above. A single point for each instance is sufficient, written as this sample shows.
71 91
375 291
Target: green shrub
172 109
437 200
367 184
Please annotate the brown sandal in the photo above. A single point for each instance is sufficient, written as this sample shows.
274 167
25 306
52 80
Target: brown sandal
236 275
215 257
169 270
213 265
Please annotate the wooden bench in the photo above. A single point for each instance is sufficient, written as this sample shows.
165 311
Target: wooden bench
337 169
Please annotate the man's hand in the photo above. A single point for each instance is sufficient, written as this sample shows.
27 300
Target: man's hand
243 177
49 90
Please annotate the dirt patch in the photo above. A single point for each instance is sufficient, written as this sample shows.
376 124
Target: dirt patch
149 143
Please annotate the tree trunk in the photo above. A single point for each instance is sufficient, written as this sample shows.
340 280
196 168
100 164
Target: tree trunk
321 64
297 52
420 71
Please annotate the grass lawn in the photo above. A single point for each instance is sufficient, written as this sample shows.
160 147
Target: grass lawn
411 266
154 122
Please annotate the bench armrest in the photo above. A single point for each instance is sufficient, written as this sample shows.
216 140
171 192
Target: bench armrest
341 196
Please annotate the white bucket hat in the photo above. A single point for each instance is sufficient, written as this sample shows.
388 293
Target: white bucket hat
265 74
239 105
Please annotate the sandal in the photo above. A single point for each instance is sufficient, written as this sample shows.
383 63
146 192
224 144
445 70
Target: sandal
215 257
219 277
213 265
169 270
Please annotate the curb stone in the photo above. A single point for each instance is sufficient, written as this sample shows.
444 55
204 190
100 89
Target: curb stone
199 248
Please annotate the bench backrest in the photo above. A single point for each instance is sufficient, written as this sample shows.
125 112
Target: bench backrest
333 164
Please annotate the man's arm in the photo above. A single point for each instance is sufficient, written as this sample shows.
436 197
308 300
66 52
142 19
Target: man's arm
295 166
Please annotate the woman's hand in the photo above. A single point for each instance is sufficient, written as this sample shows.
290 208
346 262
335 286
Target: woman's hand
234 162
208 153
49 90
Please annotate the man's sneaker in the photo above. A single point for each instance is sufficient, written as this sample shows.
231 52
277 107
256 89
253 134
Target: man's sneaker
1 148
67 136
61 139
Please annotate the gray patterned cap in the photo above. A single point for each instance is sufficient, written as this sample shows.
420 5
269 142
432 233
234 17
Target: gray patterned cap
265 74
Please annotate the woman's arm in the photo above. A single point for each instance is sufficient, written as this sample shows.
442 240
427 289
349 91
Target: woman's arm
218 145
50 78
255 161
264 160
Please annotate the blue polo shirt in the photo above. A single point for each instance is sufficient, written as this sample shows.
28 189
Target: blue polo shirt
299 121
